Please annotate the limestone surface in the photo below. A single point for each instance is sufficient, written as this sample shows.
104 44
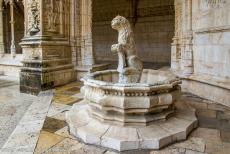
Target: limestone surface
129 65
123 138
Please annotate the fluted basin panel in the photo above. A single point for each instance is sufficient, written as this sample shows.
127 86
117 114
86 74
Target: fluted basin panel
131 104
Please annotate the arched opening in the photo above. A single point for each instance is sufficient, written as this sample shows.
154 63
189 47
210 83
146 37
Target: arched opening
153 26
18 26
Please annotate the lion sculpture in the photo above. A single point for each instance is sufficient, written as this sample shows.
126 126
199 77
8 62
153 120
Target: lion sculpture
129 65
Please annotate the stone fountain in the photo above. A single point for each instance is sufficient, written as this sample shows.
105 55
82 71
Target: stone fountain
130 108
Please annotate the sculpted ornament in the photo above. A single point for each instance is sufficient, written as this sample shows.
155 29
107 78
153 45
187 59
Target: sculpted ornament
215 3
35 21
129 65
52 16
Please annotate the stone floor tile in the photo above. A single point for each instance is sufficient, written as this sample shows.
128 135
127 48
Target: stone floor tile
169 150
60 116
226 148
52 125
47 140
207 134
13 106
66 99
21 139
193 143
111 152
29 149
213 148
64 132
193 152
79 95
225 136
56 108
66 146
89 149
29 127
75 89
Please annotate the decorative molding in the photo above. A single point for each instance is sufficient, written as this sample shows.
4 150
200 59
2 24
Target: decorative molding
215 3
213 29
33 17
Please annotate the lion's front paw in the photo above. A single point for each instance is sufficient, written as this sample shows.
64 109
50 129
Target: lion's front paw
114 48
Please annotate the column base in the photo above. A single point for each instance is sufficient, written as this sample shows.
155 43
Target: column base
33 82
85 69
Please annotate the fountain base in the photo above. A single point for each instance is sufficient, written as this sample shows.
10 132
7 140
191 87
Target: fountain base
121 138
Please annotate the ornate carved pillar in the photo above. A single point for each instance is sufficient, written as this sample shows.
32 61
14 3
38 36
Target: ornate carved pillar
47 57
187 54
2 48
12 22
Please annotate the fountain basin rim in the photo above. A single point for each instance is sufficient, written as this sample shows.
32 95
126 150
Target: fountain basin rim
170 81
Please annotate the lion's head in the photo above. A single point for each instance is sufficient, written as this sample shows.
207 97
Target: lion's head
119 22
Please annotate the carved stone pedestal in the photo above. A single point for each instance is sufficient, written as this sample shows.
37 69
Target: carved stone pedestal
45 67
47 55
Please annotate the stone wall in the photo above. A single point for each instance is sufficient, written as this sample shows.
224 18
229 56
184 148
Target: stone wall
153 24
201 48
211 37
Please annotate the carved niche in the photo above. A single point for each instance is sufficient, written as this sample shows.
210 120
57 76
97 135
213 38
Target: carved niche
56 16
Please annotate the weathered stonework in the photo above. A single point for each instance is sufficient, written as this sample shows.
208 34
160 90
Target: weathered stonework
200 51
46 53
128 111
129 64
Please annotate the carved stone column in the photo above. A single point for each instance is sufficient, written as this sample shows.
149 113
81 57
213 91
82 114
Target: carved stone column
47 57
2 48
87 55
12 22
175 46
187 54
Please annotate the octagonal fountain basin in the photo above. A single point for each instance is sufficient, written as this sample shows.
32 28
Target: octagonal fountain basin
133 103
145 115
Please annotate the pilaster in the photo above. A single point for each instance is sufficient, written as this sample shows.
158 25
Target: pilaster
86 57
187 54
12 22
2 48
47 57
176 46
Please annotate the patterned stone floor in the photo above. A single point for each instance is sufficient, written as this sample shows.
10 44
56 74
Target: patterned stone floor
55 138
12 106
212 137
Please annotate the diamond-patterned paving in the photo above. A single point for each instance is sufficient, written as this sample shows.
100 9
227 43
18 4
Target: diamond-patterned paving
212 135
56 133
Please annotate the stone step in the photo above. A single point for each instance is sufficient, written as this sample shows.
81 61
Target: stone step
122 138
25 136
